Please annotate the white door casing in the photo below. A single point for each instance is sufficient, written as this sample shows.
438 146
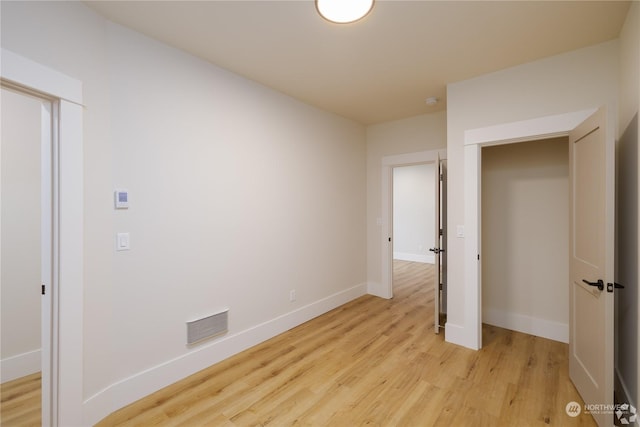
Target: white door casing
592 374
66 290
469 333
591 258
385 289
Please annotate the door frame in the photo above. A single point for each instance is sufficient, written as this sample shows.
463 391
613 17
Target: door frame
388 163
474 140
64 401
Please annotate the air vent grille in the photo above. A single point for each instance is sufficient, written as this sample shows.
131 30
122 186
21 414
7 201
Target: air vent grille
207 327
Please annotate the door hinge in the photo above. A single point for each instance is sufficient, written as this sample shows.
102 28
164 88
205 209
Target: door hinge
441 177
43 290
441 286
441 232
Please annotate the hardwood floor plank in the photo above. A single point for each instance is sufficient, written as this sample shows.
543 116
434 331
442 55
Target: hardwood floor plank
20 402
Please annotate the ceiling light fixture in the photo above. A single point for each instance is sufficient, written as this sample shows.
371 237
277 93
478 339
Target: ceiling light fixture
344 11
432 100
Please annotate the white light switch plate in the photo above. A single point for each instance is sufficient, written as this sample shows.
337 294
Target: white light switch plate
460 231
122 242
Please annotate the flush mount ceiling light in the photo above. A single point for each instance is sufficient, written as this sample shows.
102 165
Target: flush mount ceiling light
343 11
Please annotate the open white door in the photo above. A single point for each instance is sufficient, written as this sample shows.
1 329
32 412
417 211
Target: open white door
436 247
591 271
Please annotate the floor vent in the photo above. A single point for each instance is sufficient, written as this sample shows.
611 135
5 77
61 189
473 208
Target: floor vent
207 327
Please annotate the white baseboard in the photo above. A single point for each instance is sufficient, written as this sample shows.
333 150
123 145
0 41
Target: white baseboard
377 290
459 335
623 397
20 365
423 258
130 389
529 325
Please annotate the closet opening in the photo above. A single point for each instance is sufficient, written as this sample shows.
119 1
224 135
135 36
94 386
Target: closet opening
525 237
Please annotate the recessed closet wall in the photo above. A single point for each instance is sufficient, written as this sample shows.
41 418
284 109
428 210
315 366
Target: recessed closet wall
525 237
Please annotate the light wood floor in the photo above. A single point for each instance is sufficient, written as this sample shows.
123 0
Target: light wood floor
20 402
372 362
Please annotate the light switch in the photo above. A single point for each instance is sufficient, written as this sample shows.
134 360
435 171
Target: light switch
122 242
460 231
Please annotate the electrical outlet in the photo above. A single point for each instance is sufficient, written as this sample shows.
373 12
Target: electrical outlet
292 295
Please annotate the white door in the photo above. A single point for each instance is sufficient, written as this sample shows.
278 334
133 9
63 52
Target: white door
592 198
443 242
436 247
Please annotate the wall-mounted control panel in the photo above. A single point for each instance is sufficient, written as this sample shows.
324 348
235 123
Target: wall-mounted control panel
121 198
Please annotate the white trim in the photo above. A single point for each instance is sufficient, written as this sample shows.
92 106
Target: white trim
376 289
457 334
27 73
472 264
67 301
70 274
19 365
407 256
144 383
552 330
527 130
385 288
47 143
474 139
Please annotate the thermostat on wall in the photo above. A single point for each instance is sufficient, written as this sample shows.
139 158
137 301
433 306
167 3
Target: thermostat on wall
122 199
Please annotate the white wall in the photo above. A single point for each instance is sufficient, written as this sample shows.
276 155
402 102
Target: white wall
411 135
20 232
525 246
414 213
627 256
574 81
238 194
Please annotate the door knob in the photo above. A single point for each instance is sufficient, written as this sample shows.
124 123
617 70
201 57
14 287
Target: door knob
610 286
599 284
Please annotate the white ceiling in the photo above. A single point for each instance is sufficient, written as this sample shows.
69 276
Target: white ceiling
382 67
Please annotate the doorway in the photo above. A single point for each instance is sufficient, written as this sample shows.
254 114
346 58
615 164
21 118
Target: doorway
525 216
390 163
26 254
63 297
591 241
414 210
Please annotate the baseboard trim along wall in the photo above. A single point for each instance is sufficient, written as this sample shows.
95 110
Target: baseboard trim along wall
423 258
128 390
20 365
529 325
